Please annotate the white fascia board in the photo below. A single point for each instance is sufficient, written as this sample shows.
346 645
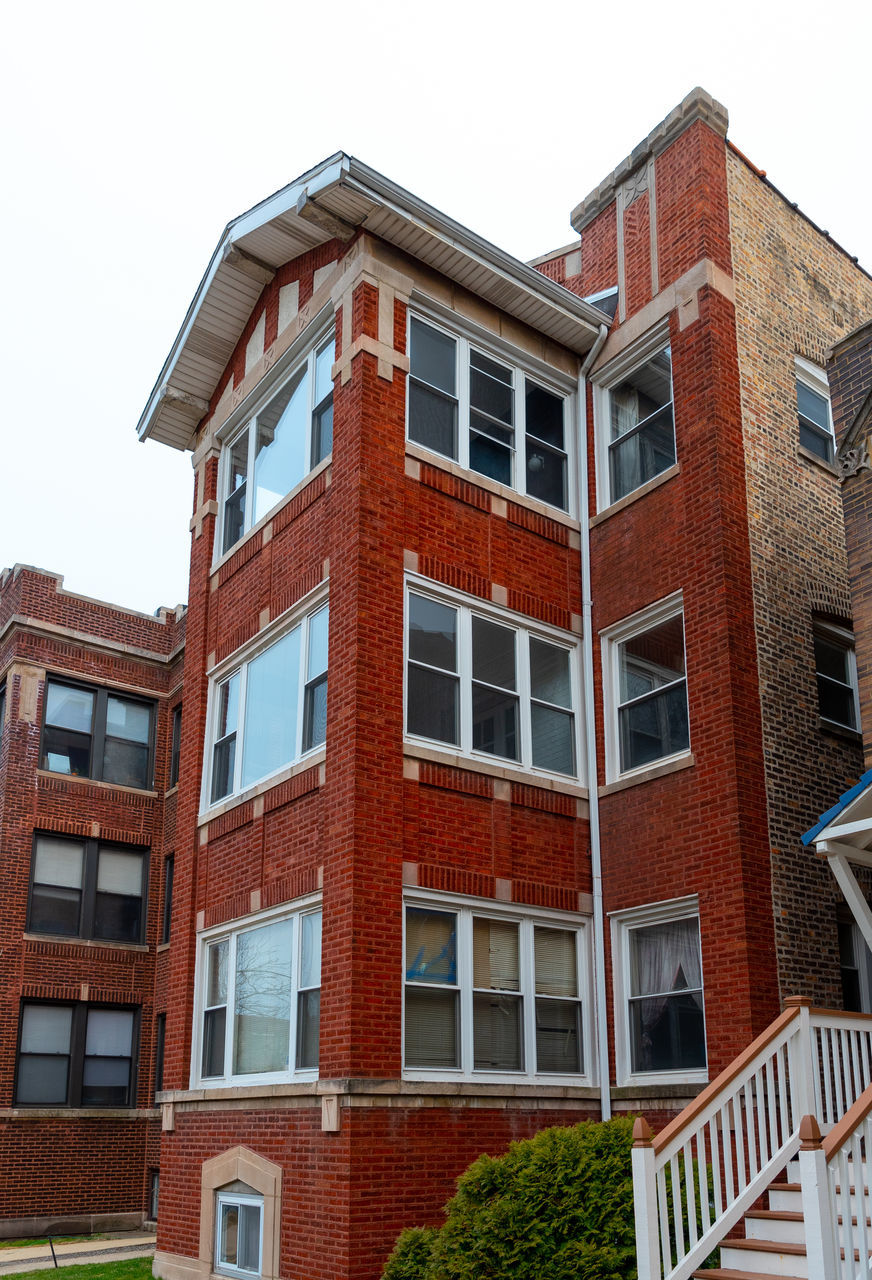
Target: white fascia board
322 176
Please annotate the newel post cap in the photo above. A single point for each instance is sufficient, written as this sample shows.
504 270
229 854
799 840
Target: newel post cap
642 1134
797 1002
809 1134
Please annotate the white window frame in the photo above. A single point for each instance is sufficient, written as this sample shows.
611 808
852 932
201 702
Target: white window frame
622 925
237 1198
523 366
609 376
238 663
231 931
528 920
840 638
611 640
525 628
303 352
813 377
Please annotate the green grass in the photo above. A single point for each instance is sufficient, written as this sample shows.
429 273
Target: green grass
16 1243
129 1269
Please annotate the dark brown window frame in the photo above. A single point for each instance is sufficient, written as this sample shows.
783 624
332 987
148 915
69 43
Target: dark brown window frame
87 908
78 1033
97 734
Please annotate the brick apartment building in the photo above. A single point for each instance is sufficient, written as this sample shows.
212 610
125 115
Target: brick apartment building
536 855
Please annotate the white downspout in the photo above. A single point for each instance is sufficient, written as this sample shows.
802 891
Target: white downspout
599 953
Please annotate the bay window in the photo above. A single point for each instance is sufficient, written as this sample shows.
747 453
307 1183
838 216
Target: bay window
482 682
286 437
490 993
260 999
271 710
477 408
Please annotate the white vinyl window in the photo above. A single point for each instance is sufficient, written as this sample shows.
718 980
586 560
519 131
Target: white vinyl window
635 419
813 410
271 710
493 994
238 1233
476 407
259 1000
646 689
285 439
836 673
660 1014
481 681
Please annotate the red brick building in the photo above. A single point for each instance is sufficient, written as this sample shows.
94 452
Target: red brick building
531 851
88 694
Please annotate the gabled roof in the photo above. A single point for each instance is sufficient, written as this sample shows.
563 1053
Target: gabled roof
854 805
336 198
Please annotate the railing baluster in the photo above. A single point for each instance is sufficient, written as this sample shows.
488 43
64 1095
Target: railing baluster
772 1104
751 1131
840 1074
717 1183
826 1059
741 1163
728 1148
864 1053
690 1194
845 1209
677 1207
702 1165
663 1203
762 1135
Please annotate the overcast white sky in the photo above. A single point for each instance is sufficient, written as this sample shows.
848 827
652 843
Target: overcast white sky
135 132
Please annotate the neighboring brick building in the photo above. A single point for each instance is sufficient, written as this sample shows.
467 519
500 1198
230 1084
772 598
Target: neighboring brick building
87 817
537 854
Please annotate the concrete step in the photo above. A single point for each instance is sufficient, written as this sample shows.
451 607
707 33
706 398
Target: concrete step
767 1257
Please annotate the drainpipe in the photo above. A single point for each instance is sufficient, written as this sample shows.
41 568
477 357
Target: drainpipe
599 953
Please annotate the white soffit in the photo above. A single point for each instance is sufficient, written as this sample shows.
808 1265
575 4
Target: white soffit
256 244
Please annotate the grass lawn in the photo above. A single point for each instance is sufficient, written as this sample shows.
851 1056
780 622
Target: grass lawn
128 1269
15 1243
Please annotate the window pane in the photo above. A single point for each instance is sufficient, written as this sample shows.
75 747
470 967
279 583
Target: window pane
654 728
431 1038
831 659
110 1032
432 633
498 1045
69 708
118 905
818 442
125 764
223 767
641 394
270 734
665 958
42 1081
556 967
490 388
55 910
495 961
431 355
310 958
46 1028
495 722
653 659
263 998
490 458
58 862
315 717
308 1026
282 445
322 433
544 415
106 1082
836 702
552 739
431 946
558 1035
228 706
812 405
228 1234
214 1033
119 872
248 1251
432 708
546 475
128 720
549 673
234 518
324 362
638 458
317 661
216 972
493 654
67 752
432 420
668 1034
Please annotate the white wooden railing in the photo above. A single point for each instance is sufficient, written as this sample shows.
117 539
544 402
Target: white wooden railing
696 1179
835 1194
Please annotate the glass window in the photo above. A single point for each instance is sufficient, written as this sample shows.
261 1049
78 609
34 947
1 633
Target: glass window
261 1000
175 745
469 406
491 995
490 688
836 674
80 888
239 1232
641 427
650 692
75 1055
276 703
664 997
278 447
167 913
160 1035
95 733
813 411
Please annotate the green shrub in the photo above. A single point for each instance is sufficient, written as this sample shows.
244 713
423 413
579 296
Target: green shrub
558 1206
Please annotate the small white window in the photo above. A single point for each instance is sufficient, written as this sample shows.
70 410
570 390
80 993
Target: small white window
855 962
238 1233
491 993
477 408
285 439
259 1007
479 681
660 1014
635 419
813 410
270 711
646 689
836 672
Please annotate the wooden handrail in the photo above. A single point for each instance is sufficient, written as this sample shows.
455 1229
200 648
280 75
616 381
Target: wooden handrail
687 1117
851 1120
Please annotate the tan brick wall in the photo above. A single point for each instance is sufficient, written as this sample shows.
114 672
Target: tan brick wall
796 294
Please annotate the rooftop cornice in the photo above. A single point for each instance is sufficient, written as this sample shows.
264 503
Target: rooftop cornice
698 105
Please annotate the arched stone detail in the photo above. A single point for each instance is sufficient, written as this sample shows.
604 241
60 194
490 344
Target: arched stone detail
239 1164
